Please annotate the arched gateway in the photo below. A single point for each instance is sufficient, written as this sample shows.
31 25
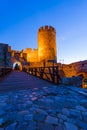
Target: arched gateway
17 66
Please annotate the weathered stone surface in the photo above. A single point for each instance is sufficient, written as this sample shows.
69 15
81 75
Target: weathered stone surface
28 117
52 112
11 115
70 126
8 107
82 124
1 121
22 106
85 119
75 113
23 126
65 111
61 121
31 125
81 108
39 115
33 98
58 98
71 120
2 112
18 127
45 126
11 127
31 128
77 81
61 110
52 120
29 103
24 112
3 105
65 81
52 90
59 127
63 117
84 113
83 101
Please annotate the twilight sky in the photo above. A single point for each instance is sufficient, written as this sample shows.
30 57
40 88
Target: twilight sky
21 19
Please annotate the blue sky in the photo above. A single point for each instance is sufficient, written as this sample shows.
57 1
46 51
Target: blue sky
21 19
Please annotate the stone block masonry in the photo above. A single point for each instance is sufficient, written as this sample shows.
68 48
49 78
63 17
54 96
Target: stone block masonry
47 43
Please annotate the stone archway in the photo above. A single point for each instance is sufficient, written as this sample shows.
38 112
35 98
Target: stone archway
17 66
84 78
83 74
84 82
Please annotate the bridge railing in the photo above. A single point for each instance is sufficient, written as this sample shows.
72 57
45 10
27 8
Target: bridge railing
4 71
48 73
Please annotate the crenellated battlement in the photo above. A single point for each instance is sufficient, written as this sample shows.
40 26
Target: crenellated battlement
30 50
35 50
46 28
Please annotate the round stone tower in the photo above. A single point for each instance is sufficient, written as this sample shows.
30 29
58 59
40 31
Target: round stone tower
47 43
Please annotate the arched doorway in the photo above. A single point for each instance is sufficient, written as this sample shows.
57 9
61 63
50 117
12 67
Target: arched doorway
84 82
82 74
17 66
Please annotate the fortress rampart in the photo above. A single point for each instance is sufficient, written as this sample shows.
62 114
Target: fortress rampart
73 69
46 28
38 57
32 55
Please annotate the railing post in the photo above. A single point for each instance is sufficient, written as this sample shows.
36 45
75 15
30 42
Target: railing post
49 73
53 76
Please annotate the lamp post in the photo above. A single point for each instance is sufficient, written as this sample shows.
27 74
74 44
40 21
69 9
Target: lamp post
62 62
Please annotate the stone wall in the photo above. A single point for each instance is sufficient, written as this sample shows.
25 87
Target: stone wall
5 55
74 69
32 55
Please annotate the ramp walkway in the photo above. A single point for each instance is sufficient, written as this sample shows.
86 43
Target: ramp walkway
20 80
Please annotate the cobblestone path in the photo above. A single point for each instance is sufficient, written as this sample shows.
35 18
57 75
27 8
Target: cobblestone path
44 107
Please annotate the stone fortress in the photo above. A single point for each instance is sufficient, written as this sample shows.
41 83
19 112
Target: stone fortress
44 55
46 46
35 57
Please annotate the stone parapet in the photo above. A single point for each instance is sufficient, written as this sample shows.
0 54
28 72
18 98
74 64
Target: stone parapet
46 28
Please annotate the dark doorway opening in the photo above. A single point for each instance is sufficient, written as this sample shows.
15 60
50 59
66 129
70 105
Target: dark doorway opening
17 67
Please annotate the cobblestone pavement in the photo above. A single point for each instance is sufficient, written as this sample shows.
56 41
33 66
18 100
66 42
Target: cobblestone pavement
54 108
